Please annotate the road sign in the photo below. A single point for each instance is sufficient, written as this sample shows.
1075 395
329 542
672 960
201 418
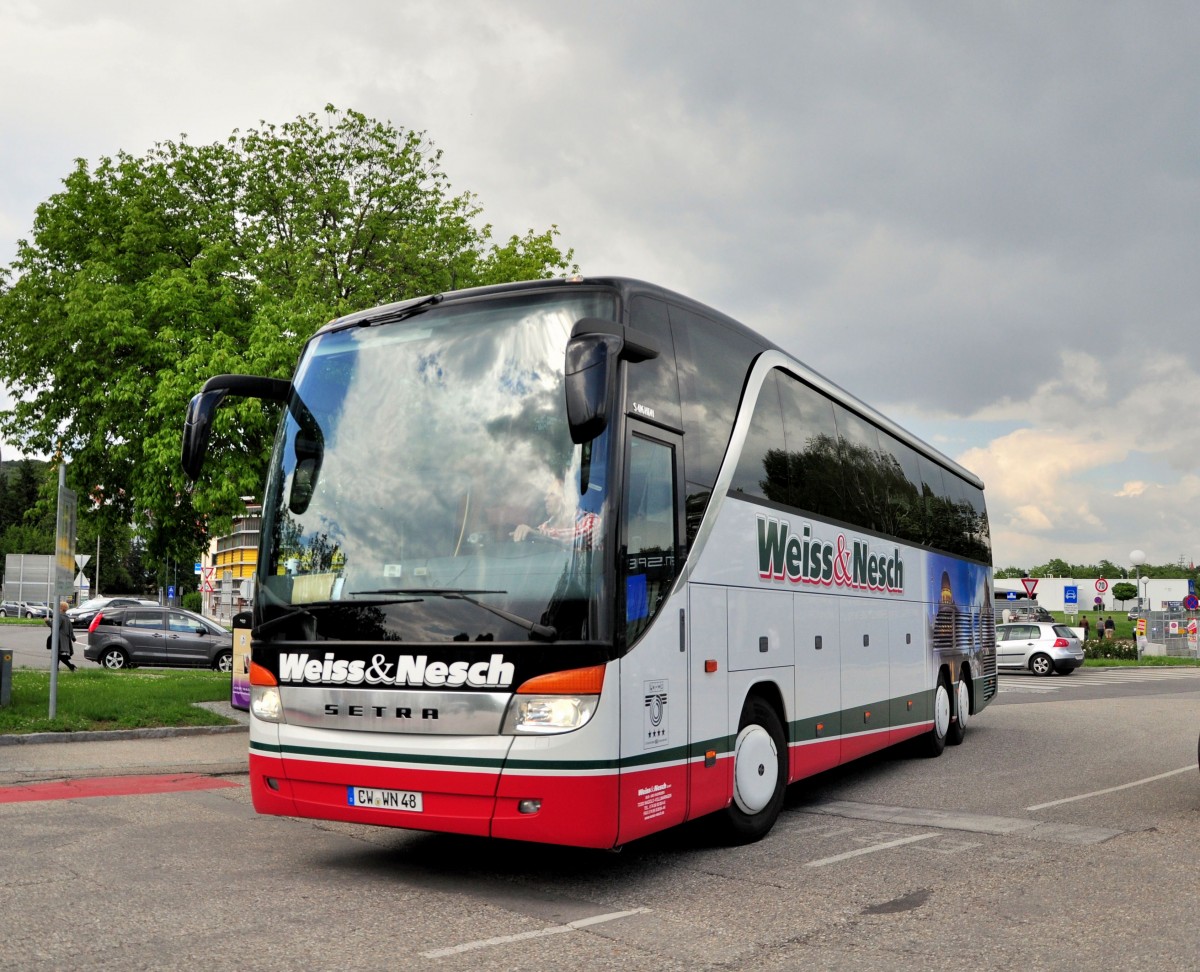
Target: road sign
1101 585
1030 585
1011 595
64 544
1191 602
1070 595
199 566
206 579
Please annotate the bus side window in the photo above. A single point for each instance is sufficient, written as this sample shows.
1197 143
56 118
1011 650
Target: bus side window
654 384
649 531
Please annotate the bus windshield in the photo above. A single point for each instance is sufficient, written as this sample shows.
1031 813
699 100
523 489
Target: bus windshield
424 487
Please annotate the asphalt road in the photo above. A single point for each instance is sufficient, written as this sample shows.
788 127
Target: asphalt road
28 644
1063 834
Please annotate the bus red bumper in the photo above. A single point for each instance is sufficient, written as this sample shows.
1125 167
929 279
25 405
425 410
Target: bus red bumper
571 810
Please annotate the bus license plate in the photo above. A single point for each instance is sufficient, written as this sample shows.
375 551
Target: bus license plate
358 796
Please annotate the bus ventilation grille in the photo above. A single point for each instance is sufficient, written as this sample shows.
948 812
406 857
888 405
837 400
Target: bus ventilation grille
991 683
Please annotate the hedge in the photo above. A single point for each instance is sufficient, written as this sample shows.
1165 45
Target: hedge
1110 648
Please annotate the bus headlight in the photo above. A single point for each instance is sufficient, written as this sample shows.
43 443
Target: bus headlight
265 703
532 714
555 702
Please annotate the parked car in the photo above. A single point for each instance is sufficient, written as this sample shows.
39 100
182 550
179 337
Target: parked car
37 609
22 609
1037 614
124 636
82 615
1042 647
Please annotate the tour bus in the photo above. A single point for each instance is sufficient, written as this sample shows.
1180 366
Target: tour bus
578 560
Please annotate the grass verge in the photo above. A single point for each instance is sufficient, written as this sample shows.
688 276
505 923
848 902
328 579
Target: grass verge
1147 661
100 699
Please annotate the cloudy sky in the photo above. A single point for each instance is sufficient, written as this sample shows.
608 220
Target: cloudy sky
982 218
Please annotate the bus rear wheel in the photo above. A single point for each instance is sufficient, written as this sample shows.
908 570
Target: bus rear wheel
933 743
962 709
760 766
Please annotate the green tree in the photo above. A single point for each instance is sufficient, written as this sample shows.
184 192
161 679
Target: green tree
145 276
1124 591
1053 568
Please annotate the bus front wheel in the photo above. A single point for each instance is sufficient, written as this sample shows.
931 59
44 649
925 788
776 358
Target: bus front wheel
760 765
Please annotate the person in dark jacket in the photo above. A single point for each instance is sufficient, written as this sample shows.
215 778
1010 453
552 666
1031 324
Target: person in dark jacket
66 637
1110 629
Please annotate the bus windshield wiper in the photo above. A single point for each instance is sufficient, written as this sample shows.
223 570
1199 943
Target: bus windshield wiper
543 632
416 307
305 611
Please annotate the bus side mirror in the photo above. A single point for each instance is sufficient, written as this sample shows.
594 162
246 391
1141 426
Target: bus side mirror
593 353
310 453
197 424
591 372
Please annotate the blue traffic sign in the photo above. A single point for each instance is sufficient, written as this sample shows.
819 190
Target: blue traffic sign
1070 595
171 591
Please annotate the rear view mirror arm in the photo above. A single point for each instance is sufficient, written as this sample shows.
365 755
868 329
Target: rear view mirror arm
197 425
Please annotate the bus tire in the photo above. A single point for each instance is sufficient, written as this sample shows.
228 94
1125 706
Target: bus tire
933 743
962 706
760 767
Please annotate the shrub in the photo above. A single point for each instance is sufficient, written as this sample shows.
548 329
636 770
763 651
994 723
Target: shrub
193 601
1110 648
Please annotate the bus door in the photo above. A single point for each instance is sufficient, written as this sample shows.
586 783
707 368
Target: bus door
654 702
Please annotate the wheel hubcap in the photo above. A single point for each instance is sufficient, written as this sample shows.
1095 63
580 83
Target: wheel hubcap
941 710
755 769
964 705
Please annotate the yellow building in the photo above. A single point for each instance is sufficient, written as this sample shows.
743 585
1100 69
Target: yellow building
234 558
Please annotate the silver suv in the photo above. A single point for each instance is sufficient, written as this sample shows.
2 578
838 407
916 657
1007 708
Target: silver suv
21 609
1043 647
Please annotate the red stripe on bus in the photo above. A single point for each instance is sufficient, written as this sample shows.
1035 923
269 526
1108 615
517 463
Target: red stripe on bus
110 786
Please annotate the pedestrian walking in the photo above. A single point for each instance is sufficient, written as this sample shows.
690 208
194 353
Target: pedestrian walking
66 637
1110 629
1084 625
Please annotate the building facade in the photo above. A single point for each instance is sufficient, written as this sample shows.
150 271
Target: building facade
1053 593
234 559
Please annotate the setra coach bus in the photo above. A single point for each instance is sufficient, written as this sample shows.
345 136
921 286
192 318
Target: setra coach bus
575 561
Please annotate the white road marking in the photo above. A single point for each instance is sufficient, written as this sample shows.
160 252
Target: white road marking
1112 789
868 850
1084 676
525 936
1059 833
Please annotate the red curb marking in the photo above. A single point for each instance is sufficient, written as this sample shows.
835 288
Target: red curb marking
109 786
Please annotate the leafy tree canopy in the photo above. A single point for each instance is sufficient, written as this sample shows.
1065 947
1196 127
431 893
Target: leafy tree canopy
145 276
1124 591
1106 569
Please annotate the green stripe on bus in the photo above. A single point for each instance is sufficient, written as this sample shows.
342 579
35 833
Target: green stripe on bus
905 710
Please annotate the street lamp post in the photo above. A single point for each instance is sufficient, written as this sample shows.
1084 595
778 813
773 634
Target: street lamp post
1137 558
